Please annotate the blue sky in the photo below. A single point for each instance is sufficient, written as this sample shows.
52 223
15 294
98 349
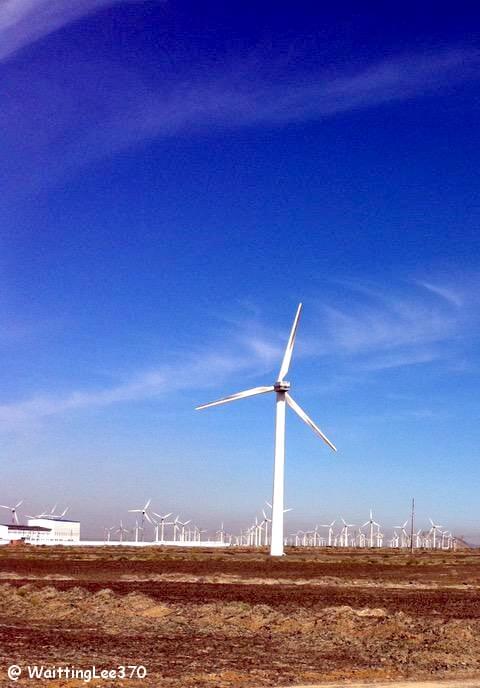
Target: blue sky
176 177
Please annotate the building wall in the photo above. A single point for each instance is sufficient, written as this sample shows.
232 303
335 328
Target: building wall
35 537
61 531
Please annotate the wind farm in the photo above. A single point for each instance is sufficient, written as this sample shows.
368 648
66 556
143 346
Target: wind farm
239 317
249 590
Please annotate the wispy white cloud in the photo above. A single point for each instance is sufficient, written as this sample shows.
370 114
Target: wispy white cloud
91 109
239 95
399 327
377 331
204 370
447 293
24 21
400 360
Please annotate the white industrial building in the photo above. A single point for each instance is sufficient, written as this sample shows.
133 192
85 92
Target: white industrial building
61 530
32 534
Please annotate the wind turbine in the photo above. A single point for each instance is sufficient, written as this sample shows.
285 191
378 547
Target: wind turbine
51 514
107 532
222 534
162 523
418 538
344 534
371 523
403 534
433 531
281 389
265 522
122 530
13 511
330 531
144 516
198 533
178 525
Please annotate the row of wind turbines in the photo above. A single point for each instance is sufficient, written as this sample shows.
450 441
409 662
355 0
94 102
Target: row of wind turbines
326 535
434 538
52 514
258 534
179 532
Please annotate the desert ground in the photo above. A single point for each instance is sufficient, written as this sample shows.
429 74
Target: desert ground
211 619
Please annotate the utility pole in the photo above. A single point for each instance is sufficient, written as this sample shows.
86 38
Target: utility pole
412 525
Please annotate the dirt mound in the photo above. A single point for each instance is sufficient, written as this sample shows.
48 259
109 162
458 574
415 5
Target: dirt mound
261 623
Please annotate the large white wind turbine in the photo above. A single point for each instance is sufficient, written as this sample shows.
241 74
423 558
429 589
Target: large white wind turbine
281 389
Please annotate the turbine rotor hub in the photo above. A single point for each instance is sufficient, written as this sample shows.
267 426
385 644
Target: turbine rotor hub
281 386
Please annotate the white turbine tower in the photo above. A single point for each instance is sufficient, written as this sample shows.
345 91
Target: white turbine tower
283 397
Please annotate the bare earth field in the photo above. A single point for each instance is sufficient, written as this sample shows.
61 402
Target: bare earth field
237 618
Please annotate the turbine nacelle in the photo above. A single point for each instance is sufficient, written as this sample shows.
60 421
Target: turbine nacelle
281 386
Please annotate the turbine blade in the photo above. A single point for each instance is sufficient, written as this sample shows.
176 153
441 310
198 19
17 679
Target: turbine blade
300 412
19 504
147 504
238 395
287 356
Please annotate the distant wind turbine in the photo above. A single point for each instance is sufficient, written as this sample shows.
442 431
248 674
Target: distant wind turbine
145 515
433 532
107 532
281 389
122 531
330 531
162 523
344 534
13 511
371 523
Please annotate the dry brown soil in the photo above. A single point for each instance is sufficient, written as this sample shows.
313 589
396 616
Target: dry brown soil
237 618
